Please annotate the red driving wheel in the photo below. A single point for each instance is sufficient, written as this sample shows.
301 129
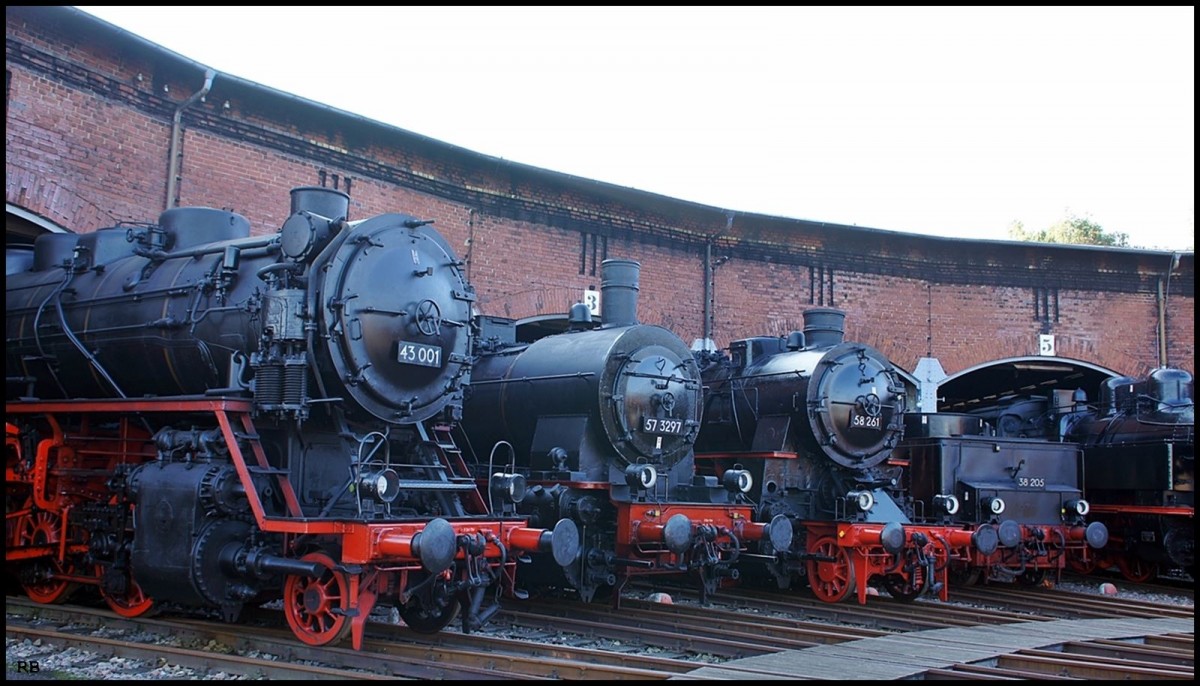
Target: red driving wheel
316 608
830 581
42 578
1136 569
132 603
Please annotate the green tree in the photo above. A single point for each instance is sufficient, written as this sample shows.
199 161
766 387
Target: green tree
1078 230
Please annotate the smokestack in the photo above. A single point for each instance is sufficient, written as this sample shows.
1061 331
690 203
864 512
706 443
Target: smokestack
619 292
824 326
323 202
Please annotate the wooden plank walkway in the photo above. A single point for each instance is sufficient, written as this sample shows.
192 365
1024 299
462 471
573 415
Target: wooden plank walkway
904 655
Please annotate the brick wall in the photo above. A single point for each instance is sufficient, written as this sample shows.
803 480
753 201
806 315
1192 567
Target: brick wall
88 125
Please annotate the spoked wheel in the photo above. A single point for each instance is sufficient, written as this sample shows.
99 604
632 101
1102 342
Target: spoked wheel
904 589
830 581
1031 577
131 602
1136 569
965 576
42 583
316 608
1083 566
429 620
42 578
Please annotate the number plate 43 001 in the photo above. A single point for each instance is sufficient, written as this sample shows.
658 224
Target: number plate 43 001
419 354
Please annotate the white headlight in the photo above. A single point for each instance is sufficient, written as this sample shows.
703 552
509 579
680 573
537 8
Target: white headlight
948 503
745 482
648 477
737 480
865 500
641 476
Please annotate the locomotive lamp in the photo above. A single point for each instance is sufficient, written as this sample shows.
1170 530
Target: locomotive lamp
865 500
1077 507
508 487
641 476
994 505
946 503
382 485
737 480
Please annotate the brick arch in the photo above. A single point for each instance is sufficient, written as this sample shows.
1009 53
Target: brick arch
56 203
1017 375
538 300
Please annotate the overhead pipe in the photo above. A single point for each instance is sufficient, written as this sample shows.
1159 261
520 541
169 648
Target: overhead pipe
710 270
1163 289
173 161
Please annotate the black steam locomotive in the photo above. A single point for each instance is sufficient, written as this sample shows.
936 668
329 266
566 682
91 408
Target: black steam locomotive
1139 451
814 418
600 422
201 418
1022 494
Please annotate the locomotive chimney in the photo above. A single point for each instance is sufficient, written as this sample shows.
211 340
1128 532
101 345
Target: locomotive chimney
619 292
321 201
824 326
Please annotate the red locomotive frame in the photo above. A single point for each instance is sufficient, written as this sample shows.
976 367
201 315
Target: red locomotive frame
71 466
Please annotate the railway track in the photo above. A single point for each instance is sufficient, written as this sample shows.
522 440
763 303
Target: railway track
566 639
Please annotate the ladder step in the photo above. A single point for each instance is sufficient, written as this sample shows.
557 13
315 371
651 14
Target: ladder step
406 465
266 470
435 486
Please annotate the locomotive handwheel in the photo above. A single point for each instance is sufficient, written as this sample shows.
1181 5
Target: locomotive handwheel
871 404
831 582
134 602
429 317
316 608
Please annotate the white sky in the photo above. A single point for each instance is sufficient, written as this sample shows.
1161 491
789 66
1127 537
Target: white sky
942 121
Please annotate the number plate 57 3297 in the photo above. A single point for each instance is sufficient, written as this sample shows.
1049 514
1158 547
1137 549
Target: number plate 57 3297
658 425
